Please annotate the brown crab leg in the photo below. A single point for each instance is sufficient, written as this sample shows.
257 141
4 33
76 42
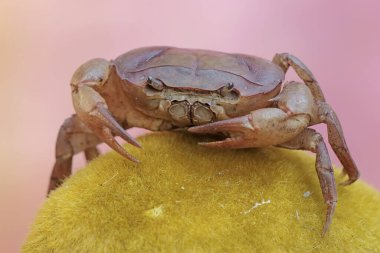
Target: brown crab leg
285 60
337 141
91 153
310 140
73 137
324 114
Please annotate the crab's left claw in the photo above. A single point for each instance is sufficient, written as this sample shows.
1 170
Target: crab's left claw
92 108
239 129
93 111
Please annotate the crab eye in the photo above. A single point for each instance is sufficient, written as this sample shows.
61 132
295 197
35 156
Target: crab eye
226 89
155 83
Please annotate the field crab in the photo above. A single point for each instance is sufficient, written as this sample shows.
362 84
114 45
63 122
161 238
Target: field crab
203 92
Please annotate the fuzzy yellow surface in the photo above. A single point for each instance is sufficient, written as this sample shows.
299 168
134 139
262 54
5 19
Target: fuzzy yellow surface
187 198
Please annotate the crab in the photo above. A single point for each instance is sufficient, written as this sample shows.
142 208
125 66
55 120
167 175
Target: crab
239 96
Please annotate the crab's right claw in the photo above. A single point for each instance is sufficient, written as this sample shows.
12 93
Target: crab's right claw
92 110
237 124
239 129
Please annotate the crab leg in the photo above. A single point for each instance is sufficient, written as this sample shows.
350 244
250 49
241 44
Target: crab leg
73 137
285 60
337 141
312 141
324 114
91 153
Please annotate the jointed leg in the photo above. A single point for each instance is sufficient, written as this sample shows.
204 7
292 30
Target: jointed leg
285 60
310 140
323 114
73 137
337 141
91 153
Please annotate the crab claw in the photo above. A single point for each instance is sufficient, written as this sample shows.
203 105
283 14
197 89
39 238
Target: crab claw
239 124
110 122
92 110
233 142
238 128
260 128
104 124
105 135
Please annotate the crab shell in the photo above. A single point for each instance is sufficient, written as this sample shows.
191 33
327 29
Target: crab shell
193 87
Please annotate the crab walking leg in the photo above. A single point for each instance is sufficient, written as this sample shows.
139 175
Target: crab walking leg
285 60
323 114
311 140
91 153
337 141
73 137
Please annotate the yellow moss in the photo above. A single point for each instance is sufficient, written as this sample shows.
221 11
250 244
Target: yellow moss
186 198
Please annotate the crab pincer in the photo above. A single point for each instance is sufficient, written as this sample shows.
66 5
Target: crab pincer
238 129
92 109
105 127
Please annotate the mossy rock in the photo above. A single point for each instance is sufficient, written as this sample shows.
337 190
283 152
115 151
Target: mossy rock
187 198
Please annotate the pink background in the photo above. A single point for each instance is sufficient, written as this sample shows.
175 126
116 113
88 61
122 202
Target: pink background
42 43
